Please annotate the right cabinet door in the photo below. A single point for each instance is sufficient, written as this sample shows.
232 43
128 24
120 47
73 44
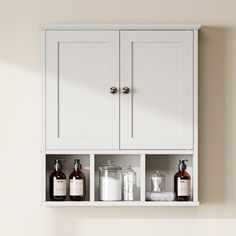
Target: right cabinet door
157 112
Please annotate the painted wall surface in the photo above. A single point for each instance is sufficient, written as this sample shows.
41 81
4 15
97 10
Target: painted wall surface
20 120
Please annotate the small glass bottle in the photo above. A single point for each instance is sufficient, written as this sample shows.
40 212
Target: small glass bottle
57 183
77 183
158 182
129 184
182 182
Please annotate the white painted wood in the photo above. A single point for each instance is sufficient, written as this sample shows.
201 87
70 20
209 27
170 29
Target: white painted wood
122 204
92 177
143 177
139 152
195 176
43 66
158 68
44 179
195 121
120 26
81 113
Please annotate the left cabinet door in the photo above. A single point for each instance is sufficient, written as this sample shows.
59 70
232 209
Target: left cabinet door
81 111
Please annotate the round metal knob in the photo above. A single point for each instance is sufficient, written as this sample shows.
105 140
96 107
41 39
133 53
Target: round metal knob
125 90
113 90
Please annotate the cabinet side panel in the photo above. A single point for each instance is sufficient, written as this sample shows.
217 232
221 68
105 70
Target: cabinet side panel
195 137
43 123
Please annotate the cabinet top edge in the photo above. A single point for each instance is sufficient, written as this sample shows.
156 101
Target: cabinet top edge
119 152
120 26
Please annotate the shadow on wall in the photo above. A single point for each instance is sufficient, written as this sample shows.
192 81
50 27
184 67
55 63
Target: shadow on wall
215 152
212 115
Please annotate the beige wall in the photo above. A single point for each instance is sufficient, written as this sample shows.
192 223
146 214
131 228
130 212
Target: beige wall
20 119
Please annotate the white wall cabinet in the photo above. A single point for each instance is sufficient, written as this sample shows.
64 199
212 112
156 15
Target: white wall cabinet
127 92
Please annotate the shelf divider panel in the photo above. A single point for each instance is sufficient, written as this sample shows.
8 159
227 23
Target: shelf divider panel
143 177
92 177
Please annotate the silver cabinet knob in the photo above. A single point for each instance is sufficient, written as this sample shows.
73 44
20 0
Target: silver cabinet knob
113 90
125 90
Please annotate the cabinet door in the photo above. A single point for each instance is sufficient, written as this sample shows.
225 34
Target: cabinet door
157 66
81 66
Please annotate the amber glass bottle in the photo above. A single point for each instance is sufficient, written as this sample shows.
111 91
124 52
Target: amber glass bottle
77 183
57 183
182 181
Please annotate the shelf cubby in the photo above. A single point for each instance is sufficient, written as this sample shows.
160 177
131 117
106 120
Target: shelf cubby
120 160
68 165
168 165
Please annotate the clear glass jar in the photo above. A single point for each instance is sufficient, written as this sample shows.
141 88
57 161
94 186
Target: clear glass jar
158 182
129 184
110 182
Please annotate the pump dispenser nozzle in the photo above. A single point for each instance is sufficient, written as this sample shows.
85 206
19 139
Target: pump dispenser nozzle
77 164
182 165
58 165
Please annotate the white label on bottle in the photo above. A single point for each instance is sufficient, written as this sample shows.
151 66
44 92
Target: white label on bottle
76 187
183 187
59 187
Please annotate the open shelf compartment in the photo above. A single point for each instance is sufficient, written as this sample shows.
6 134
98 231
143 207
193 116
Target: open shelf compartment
67 168
119 160
168 165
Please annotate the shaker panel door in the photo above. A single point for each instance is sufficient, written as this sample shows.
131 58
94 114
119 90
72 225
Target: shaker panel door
81 66
157 66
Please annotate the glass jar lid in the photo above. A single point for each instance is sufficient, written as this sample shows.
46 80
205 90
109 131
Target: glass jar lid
129 169
110 166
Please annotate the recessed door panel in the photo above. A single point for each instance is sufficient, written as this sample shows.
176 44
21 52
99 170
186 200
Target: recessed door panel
157 66
81 111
